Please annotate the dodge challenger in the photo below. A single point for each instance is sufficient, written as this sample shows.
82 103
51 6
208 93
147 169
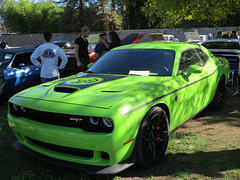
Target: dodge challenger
121 111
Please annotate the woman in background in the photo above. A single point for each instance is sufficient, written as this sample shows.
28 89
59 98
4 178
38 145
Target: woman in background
115 41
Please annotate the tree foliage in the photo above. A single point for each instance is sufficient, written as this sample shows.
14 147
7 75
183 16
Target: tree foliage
186 13
29 17
130 10
26 16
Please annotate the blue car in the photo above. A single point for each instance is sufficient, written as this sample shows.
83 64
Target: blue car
17 71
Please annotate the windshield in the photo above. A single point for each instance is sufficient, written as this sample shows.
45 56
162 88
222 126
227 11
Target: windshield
221 45
154 62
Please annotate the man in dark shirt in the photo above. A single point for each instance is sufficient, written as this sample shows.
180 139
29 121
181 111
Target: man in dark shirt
100 48
81 48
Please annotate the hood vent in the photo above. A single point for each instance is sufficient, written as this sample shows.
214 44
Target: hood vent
65 89
112 91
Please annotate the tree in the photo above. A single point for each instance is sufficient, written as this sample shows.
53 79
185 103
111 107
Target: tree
96 14
186 13
29 17
133 17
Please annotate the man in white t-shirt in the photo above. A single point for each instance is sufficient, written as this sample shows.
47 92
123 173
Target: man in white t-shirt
49 54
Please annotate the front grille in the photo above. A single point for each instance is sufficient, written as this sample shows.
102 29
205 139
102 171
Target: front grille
63 149
66 120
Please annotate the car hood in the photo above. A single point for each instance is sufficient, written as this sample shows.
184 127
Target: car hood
91 89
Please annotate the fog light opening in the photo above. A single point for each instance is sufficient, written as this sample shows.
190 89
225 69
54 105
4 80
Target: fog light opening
105 155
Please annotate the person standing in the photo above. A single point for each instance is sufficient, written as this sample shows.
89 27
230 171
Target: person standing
81 48
233 35
219 35
115 41
100 48
49 54
210 36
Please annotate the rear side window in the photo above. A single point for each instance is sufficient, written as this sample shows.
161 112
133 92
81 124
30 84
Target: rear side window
204 57
189 57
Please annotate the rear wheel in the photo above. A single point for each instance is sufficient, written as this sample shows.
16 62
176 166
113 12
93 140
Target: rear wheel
152 137
220 96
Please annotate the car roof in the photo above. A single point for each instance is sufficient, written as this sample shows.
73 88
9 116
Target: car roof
18 50
177 46
61 43
223 40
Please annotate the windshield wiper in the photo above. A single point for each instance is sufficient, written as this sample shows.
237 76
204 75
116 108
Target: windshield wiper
89 72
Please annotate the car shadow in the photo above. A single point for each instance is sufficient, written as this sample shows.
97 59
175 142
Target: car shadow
230 114
209 164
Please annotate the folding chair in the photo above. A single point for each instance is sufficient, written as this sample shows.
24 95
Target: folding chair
234 80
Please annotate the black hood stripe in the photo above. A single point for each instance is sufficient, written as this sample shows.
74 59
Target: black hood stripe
88 80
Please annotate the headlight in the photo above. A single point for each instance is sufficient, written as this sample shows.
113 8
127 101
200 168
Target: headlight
108 122
23 109
16 107
19 108
98 121
94 120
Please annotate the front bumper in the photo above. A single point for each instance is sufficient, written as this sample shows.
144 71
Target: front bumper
101 170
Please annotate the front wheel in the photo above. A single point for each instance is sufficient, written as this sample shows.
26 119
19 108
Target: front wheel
152 137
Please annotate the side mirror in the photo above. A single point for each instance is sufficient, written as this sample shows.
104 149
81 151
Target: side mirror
21 65
193 69
90 65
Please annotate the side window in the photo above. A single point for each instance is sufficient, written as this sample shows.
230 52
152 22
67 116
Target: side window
204 57
189 57
22 58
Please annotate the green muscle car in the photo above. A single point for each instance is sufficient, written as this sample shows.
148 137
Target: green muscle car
121 111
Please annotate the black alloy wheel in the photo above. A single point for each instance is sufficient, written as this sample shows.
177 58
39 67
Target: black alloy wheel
153 137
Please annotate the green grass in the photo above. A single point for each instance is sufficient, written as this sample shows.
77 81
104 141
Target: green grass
186 158
185 142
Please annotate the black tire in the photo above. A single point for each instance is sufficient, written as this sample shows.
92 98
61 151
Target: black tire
220 96
152 137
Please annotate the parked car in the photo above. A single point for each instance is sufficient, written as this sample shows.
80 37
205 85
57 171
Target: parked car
193 37
227 48
122 110
17 71
64 45
169 38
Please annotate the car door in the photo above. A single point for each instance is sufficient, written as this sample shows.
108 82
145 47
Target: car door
192 89
21 74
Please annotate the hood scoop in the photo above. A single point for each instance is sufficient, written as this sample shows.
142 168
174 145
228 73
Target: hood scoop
65 89
112 91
